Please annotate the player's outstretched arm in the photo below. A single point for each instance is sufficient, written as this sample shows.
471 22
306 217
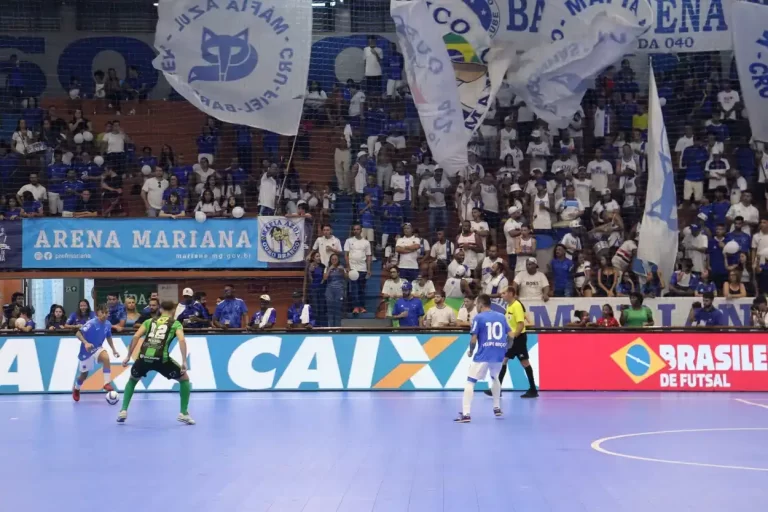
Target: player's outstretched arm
136 337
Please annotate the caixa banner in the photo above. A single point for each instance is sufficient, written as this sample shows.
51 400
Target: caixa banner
623 361
387 361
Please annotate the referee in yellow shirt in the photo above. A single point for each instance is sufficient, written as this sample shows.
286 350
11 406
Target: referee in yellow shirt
518 342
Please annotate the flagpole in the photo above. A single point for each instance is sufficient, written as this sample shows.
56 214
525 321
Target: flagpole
287 168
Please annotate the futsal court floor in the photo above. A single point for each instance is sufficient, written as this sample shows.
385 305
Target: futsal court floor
387 452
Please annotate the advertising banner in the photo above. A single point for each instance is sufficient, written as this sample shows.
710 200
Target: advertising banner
59 243
667 312
371 361
10 245
622 361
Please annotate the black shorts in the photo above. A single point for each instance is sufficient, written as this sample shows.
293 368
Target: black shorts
169 369
519 348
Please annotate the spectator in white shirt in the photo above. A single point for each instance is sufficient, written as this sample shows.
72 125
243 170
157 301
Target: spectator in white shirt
393 287
605 204
402 186
408 247
373 76
717 168
696 245
531 284
564 163
583 185
208 205
114 145
356 101
686 141
576 130
441 253
38 191
152 193
569 207
602 120
538 151
746 210
434 189
327 244
22 138
512 230
423 288
357 254
728 99
268 195
467 313
342 160
440 315
507 136
600 171
510 171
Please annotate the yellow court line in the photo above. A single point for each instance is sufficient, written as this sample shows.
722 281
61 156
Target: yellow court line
764 406
597 446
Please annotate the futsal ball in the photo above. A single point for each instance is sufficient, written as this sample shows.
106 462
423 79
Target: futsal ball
354 275
112 397
79 138
238 212
200 217
98 160
146 170
731 247
87 136
20 323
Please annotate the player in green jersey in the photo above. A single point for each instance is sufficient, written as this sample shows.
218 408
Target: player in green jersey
158 334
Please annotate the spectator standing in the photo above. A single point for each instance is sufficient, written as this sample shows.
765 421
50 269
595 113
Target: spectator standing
72 189
497 283
152 193
327 245
402 185
561 269
727 100
636 315
357 254
693 159
600 170
717 168
696 245
114 144
531 284
408 247
408 310
231 313
373 75
315 273
342 160
747 211
56 173
434 189
440 315
335 283
512 232
395 64
392 218
117 313
268 191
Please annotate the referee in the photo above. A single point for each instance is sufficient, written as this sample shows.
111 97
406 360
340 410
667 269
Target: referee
516 319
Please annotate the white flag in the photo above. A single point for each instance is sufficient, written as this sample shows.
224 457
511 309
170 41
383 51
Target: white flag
281 240
553 78
659 232
749 25
240 61
432 82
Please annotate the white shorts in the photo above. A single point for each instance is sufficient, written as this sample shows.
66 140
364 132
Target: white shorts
393 86
478 371
693 188
89 364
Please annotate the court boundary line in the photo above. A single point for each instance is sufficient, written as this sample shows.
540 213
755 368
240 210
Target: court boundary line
597 446
753 404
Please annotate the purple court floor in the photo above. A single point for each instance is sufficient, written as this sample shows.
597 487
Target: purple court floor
386 452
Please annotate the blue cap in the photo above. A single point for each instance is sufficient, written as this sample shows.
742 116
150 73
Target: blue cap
543 183
407 286
564 151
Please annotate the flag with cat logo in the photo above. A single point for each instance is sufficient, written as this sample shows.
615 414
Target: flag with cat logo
239 61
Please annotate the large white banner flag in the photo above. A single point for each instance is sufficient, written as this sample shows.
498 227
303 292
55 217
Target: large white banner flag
432 81
281 240
659 231
749 24
553 78
240 61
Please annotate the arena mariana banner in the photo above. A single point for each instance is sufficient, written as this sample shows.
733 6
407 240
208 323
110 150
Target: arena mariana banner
160 244
654 361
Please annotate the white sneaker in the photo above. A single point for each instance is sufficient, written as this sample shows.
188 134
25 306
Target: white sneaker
122 416
185 418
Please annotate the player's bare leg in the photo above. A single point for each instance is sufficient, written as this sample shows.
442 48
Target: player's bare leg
106 367
78 384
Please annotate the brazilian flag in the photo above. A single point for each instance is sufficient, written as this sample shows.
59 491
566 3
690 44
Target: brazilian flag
460 50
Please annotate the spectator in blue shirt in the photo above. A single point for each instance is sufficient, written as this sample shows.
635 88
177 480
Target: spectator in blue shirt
743 239
561 269
206 145
89 172
395 63
244 145
147 158
716 127
29 206
182 171
708 315
72 188
705 284
408 309
57 173
195 314
26 314
117 314
683 282
174 186
717 262
744 156
266 316
14 79
693 160
82 315
375 191
299 313
231 312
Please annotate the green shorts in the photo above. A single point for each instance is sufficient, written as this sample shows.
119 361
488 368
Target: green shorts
169 369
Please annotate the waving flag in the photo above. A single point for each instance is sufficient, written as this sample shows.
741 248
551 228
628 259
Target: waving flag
659 231
749 25
553 78
241 62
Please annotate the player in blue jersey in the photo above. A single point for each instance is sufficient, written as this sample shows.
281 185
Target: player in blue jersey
92 336
490 333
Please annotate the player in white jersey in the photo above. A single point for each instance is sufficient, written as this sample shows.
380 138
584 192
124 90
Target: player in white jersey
489 332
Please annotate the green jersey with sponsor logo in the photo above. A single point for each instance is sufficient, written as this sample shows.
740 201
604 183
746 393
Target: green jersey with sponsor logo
160 332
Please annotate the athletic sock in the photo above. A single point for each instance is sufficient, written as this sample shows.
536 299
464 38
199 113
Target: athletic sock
107 375
128 393
531 380
78 385
502 373
496 393
469 392
185 388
